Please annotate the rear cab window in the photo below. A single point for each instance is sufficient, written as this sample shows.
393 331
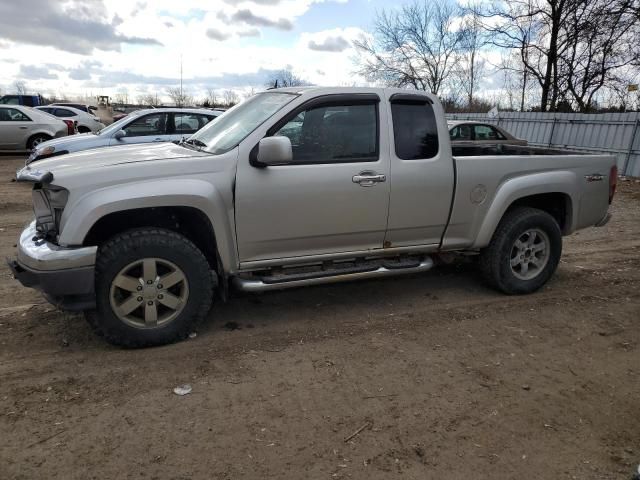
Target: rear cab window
415 129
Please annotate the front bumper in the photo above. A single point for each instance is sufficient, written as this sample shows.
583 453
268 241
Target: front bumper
64 275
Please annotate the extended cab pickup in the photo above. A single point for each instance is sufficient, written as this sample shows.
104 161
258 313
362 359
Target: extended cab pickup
295 187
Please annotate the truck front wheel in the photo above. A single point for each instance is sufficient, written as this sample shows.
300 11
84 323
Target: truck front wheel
152 287
524 252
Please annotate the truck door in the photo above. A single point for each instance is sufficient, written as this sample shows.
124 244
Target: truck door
422 175
332 198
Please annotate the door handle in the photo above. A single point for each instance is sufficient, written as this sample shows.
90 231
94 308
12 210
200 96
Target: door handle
158 140
368 178
23 128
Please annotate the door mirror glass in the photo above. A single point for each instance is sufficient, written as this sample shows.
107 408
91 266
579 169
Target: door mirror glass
275 151
119 134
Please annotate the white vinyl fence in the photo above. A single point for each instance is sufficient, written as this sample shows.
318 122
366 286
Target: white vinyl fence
614 133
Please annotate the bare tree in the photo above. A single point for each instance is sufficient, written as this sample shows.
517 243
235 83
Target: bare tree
471 66
179 97
212 97
149 100
285 78
230 98
20 87
601 36
122 96
533 28
415 46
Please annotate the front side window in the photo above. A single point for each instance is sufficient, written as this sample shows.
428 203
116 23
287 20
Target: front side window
334 134
12 115
415 130
154 124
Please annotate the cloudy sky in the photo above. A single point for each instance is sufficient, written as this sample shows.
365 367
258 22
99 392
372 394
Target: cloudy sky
82 47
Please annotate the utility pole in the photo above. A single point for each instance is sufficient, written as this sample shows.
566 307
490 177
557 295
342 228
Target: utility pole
181 97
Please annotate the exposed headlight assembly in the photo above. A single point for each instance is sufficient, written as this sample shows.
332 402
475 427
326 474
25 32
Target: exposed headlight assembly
48 205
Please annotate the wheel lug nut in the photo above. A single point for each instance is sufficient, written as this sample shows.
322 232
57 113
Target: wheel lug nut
159 286
139 288
150 302
149 282
160 297
139 299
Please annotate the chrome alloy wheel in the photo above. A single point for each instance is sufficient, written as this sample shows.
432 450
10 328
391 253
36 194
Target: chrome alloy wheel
530 254
149 293
37 141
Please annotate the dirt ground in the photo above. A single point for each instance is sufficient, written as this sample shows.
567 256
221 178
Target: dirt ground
449 379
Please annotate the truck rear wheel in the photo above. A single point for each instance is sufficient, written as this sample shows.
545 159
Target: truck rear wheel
524 252
152 287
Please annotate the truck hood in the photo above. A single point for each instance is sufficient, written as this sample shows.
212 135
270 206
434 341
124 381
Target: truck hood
88 160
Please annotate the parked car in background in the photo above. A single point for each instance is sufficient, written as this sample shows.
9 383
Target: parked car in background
86 122
26 100
118 115
466 133
80 106
24 128
141 126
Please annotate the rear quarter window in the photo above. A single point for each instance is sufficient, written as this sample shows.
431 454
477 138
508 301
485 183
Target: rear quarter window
415 130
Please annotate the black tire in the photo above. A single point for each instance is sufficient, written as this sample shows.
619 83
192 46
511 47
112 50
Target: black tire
165 245
37 139
495 260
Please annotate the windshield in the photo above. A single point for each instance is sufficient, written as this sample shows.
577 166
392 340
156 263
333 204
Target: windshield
236 124
115 126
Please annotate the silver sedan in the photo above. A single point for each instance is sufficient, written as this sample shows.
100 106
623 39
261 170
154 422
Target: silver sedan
24 128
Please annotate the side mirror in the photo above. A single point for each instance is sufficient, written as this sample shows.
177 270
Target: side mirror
119 134
274 151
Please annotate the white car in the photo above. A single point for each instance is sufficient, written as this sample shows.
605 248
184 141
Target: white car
24 128
86 122
141 126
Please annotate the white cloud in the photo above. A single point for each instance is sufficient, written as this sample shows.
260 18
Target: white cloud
215 50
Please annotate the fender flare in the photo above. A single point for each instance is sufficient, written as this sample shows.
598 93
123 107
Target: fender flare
563 182
82 213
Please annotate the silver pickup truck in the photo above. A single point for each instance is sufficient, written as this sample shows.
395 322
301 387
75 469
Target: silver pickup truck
295 187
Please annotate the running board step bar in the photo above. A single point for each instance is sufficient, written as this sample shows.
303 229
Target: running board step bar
329 276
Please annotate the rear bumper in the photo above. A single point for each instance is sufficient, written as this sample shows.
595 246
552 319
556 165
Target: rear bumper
64 275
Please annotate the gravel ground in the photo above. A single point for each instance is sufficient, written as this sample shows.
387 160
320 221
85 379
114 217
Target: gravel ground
435 374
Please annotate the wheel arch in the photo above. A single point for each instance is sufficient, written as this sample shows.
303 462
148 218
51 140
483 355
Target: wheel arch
188 206
37 134
552 192
188 221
